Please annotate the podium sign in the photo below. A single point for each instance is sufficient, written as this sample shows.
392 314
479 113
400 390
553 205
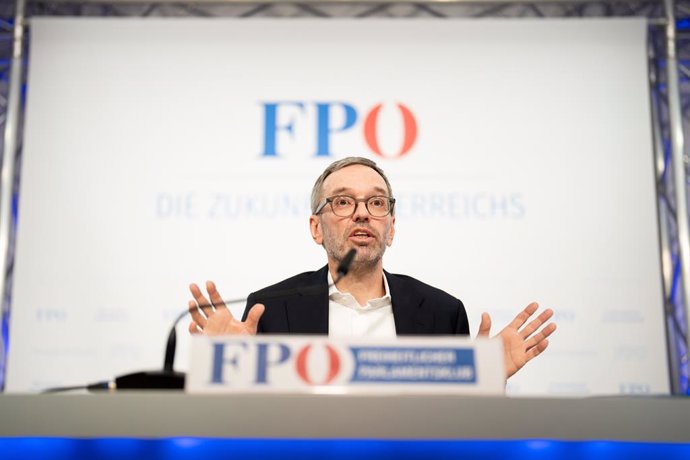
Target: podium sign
272 363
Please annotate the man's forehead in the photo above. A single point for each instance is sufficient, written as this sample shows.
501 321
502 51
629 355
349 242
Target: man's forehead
355 178
358 191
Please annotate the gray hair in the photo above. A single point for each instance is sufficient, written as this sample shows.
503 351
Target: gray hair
340 164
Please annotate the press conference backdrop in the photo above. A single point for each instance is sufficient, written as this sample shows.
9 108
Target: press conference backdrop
163 152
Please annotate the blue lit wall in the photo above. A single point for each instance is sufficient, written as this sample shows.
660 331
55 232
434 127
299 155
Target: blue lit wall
182 448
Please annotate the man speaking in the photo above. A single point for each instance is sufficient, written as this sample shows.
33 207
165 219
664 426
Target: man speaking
353 207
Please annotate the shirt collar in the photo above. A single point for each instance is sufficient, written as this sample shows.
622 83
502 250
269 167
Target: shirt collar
345 298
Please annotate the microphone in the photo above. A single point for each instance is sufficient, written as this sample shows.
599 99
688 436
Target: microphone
341 271
168 378
344 265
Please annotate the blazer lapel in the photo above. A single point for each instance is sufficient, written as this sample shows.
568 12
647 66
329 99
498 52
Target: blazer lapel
307 313
410 318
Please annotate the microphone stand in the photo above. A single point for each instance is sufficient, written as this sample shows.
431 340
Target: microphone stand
168 378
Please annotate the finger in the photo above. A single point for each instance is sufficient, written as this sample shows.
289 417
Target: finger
194 328
203 303
524 315
197 316
536 323
484 325
253 317
536 351
541 336
216 298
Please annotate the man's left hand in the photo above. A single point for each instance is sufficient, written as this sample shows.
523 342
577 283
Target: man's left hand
521 345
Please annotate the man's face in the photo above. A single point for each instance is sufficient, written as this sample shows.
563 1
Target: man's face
367 234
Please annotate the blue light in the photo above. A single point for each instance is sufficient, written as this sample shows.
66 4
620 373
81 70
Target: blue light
182 448
683 24
4 336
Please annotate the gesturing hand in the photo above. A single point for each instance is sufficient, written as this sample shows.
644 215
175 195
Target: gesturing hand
214 318
521 346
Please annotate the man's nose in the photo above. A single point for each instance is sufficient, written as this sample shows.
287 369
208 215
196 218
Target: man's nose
361 212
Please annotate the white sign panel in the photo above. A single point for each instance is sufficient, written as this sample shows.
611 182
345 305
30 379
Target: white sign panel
310 364
163 152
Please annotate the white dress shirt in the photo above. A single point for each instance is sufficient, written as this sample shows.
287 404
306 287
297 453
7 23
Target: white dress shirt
347 318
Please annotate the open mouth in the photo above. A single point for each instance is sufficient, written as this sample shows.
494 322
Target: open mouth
361 234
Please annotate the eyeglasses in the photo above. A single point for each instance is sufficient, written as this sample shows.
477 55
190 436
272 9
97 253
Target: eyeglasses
345 206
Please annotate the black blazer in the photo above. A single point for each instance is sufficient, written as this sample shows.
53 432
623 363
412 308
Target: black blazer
418 309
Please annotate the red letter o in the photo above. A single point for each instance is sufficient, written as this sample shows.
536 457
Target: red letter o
371 130
333 365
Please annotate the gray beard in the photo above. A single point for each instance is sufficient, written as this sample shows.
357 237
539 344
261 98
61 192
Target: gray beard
358 265
337 252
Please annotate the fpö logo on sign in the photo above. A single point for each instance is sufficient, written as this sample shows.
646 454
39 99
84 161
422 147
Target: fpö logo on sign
387 130
293 363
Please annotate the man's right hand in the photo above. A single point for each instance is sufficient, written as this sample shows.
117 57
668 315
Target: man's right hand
213 317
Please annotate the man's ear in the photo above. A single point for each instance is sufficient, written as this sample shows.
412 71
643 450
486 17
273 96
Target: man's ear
391 233
315 228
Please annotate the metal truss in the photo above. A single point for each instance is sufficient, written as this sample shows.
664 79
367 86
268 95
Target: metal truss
660 77
675 295
349 8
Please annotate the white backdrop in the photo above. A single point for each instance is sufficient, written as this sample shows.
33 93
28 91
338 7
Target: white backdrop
161 152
